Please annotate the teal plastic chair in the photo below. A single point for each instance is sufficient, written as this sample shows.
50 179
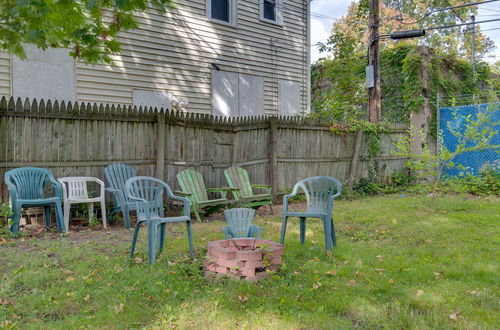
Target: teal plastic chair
116 176
240 224
147 194
27 188
320 192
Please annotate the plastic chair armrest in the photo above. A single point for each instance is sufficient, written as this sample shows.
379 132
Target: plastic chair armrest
183 193
118 196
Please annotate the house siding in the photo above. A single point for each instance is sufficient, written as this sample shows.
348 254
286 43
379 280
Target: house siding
174 52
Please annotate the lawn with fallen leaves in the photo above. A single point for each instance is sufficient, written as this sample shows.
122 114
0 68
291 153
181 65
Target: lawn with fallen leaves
401 262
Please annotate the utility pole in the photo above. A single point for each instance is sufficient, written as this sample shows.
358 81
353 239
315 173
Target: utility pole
373 37
473 18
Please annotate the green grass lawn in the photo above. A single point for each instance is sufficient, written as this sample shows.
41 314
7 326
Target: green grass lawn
400 263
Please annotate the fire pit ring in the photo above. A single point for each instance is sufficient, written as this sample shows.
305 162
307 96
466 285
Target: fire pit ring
242 258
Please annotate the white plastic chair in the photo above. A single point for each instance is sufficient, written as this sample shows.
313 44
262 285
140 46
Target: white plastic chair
75 192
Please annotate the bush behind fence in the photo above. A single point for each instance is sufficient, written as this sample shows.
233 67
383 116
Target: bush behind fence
80 139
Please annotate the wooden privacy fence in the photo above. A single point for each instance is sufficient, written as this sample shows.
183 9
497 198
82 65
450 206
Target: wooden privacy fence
75 139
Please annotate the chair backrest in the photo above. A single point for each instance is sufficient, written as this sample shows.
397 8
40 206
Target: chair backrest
237 177
192 182
239 220
29 182
318 190
76 186
147 193
117 175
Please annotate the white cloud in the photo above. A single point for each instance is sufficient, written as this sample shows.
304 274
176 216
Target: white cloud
323 14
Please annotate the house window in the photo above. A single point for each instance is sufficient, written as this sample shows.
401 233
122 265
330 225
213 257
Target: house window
290 97
222 11
271 11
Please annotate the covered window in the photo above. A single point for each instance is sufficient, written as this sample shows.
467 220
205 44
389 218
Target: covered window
222 11
271 11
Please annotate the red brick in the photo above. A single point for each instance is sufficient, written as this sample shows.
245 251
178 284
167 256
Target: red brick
254 264
222 270
249 255
221 243
232 263
223 253
248 272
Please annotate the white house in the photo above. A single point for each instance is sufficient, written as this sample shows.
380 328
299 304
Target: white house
223 57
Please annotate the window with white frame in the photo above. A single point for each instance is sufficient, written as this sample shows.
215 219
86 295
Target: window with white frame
222 11
271 11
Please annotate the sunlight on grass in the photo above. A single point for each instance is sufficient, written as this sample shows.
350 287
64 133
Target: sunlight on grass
400 263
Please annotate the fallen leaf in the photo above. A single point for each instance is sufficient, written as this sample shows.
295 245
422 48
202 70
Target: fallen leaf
331 272
70 279
4 302
69 272
391 281
419 293
379 257
296 272
316 285
351 283
471 292
455 316
119 308
137 260
329 254
394 221
118 269
69 294
316 259
380 270
132 288
172 326
428 241
167 290
243 298
358 274
314 242
87 298
2 241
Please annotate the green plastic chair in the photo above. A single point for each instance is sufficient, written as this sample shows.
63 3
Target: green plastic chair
320 192
240 224
117 175
238 179
147 194
27 188
193 187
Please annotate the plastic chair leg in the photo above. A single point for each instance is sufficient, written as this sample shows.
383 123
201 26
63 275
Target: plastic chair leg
333 233
134 239
46 211
302 230
190 238
91 212
197 215
152 228
103 213
16 217
161 239
60 218
67 207
126 217
283 229
328 233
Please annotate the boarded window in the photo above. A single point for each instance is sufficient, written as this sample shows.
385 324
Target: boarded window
152 98
48 75
236 94
289 95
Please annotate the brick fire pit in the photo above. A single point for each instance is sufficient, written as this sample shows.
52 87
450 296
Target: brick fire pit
242 258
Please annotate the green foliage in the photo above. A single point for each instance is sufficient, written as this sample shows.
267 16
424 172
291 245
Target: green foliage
6 212
89 27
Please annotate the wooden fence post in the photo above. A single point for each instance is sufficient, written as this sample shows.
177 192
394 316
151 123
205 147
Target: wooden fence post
273 156
160 146
353 172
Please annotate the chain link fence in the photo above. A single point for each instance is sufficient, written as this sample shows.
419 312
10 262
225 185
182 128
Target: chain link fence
453 117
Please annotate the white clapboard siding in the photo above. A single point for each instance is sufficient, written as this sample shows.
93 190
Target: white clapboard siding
174 52
4 74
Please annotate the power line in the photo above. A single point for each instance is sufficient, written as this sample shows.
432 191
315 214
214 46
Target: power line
462 24
447 8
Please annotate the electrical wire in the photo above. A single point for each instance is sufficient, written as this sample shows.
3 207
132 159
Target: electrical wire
447 8
457 25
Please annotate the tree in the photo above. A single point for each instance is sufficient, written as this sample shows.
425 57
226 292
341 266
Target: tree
89 27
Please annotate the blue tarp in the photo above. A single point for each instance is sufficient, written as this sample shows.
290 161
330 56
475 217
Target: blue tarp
472 161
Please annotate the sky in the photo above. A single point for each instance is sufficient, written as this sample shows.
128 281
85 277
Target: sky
325 12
